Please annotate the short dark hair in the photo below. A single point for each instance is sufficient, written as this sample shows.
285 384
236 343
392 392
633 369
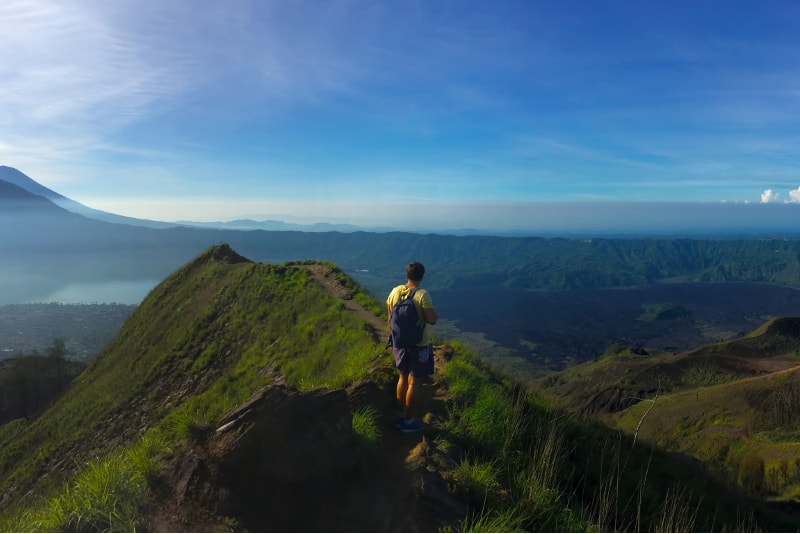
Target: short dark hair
415 271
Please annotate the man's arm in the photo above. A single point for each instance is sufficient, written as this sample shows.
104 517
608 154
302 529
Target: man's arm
430 315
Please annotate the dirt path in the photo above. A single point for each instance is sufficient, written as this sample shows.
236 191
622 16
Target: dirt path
326 278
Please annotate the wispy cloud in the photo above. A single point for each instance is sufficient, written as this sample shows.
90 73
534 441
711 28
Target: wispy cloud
71 69
98 66
432 101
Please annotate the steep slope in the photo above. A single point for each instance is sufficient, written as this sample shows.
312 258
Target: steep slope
745 430
220 315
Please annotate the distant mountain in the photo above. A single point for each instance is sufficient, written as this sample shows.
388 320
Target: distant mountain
15 199
29 218
32 222
44 247
250 224
14 176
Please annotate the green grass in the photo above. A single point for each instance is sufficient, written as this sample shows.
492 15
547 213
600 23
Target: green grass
662 311
366 427
201 343
530 466
188 422
721 425
102 498
706 375
476 481
505 520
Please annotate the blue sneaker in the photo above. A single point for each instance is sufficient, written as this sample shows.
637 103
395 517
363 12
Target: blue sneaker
413 426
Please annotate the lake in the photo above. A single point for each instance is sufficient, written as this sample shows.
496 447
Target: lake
106 292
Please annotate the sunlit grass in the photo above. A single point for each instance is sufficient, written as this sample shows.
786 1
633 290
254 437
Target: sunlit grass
213 334
102 498
366 427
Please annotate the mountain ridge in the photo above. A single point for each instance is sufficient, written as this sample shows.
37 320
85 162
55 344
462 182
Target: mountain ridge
153 374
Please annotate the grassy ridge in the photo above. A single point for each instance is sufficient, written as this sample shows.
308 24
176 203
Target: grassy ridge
201 342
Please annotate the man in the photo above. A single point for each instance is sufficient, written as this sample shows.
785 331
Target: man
411 362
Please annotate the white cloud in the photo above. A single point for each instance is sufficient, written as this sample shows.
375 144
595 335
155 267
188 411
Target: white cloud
794 195
769 196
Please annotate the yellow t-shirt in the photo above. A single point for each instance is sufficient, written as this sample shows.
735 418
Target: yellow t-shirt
422 299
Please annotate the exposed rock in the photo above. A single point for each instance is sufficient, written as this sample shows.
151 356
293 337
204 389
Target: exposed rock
432 486
289 461
269 453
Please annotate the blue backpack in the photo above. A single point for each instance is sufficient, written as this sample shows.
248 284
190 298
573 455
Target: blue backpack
405 325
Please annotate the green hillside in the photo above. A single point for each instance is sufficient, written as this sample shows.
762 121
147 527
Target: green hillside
248 396
733 405
745 430
209 336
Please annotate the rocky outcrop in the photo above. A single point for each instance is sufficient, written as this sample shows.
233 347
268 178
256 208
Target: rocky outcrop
269 456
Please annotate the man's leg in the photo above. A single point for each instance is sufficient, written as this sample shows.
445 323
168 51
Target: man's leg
406 399
409 413
402 394
405 395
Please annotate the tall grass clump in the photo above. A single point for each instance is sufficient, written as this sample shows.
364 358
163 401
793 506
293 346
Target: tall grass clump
142 457
515 449
366 427
486 421
677 514
101 499
103 496
476 481
505 520
187 422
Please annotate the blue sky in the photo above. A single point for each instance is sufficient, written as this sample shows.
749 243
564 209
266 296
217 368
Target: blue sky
423 114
